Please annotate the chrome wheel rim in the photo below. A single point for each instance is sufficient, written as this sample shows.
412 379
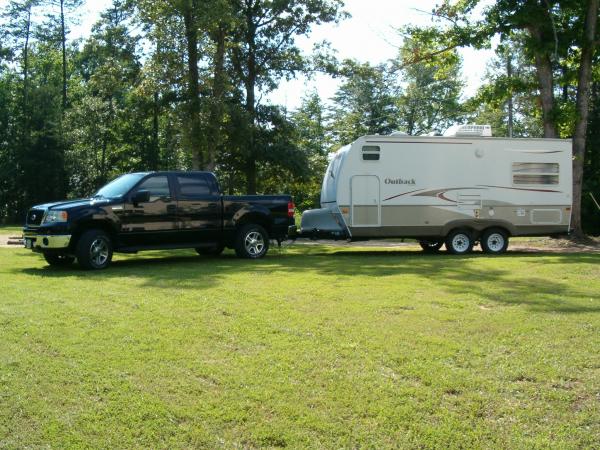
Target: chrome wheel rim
460 243
495 242
99 252
254 243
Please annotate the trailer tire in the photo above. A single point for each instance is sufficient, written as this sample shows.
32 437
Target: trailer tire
251 242
459 242
94 250
431 246
494 241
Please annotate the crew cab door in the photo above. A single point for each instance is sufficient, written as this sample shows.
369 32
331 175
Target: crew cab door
199 210
153 222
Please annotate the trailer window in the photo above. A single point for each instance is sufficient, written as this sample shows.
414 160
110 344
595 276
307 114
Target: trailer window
371 153
535 173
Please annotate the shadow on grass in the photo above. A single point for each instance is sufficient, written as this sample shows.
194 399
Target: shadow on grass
499 282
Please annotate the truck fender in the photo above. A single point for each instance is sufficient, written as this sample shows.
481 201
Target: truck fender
95 222
253 214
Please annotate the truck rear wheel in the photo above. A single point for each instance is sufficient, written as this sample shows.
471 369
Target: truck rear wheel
252 241
58 259
494 241
94 250
459 242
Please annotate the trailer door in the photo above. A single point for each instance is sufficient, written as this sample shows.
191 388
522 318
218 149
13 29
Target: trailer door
366 209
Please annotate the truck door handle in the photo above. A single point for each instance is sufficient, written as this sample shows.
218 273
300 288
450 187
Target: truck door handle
212 205
171 208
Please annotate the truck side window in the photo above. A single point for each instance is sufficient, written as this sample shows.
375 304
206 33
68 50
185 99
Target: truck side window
158 187
371 152
535 173
194 186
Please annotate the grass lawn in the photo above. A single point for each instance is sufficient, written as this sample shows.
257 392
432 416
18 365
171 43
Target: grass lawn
311 347
11 229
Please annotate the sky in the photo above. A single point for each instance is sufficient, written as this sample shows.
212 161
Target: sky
368 36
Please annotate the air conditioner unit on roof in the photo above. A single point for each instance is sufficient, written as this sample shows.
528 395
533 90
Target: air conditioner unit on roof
469 130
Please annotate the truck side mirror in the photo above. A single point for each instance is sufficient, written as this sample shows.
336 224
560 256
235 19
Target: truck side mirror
141 196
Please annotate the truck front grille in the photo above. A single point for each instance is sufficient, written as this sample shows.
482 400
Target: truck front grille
35 216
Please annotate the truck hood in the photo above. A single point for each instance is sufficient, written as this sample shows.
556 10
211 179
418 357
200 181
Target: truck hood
72 204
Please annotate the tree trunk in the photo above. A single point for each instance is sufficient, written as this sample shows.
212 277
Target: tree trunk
191 34
26 68
216 110
155 155
545 77
250 83
582 110
509 74
64 55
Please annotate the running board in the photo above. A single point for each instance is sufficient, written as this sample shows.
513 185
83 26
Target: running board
178 246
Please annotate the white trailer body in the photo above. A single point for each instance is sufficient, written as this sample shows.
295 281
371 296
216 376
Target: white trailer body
426 187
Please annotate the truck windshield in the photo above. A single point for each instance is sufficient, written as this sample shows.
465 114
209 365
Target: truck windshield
120 186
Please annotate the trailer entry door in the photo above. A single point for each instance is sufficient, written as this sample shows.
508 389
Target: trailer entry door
366 209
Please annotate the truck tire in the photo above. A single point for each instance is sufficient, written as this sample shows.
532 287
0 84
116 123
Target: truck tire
494 241
58 259
210 251
252 242
430 246
94 250
459 242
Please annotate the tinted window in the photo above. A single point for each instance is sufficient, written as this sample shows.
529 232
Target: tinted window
191 186
535 173
157 186
120 186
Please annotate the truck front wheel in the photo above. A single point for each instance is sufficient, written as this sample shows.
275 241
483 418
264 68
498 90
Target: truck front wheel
252 241
94 250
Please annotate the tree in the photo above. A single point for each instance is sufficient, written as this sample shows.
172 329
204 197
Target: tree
365 102
266 51
314 141
432 87
508 98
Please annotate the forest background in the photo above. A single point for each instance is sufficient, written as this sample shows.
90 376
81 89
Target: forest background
185 84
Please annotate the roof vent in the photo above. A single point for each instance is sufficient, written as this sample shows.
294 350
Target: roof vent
398 133
469 130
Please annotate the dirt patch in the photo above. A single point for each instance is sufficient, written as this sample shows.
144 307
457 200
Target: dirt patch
6 238
547 245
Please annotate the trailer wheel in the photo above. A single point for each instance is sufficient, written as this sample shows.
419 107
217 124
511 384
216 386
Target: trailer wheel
459 242
430 246
252 242
494 241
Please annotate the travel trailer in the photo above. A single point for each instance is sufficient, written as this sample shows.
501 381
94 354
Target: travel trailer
459 189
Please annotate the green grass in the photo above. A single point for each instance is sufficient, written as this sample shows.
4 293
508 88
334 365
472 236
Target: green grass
311 347
11 229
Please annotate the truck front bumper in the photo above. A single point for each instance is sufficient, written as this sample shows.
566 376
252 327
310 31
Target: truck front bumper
40 242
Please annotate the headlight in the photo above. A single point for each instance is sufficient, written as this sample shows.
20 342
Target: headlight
55 216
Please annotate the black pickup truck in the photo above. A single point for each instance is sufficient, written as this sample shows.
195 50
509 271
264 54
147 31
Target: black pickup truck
157 210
